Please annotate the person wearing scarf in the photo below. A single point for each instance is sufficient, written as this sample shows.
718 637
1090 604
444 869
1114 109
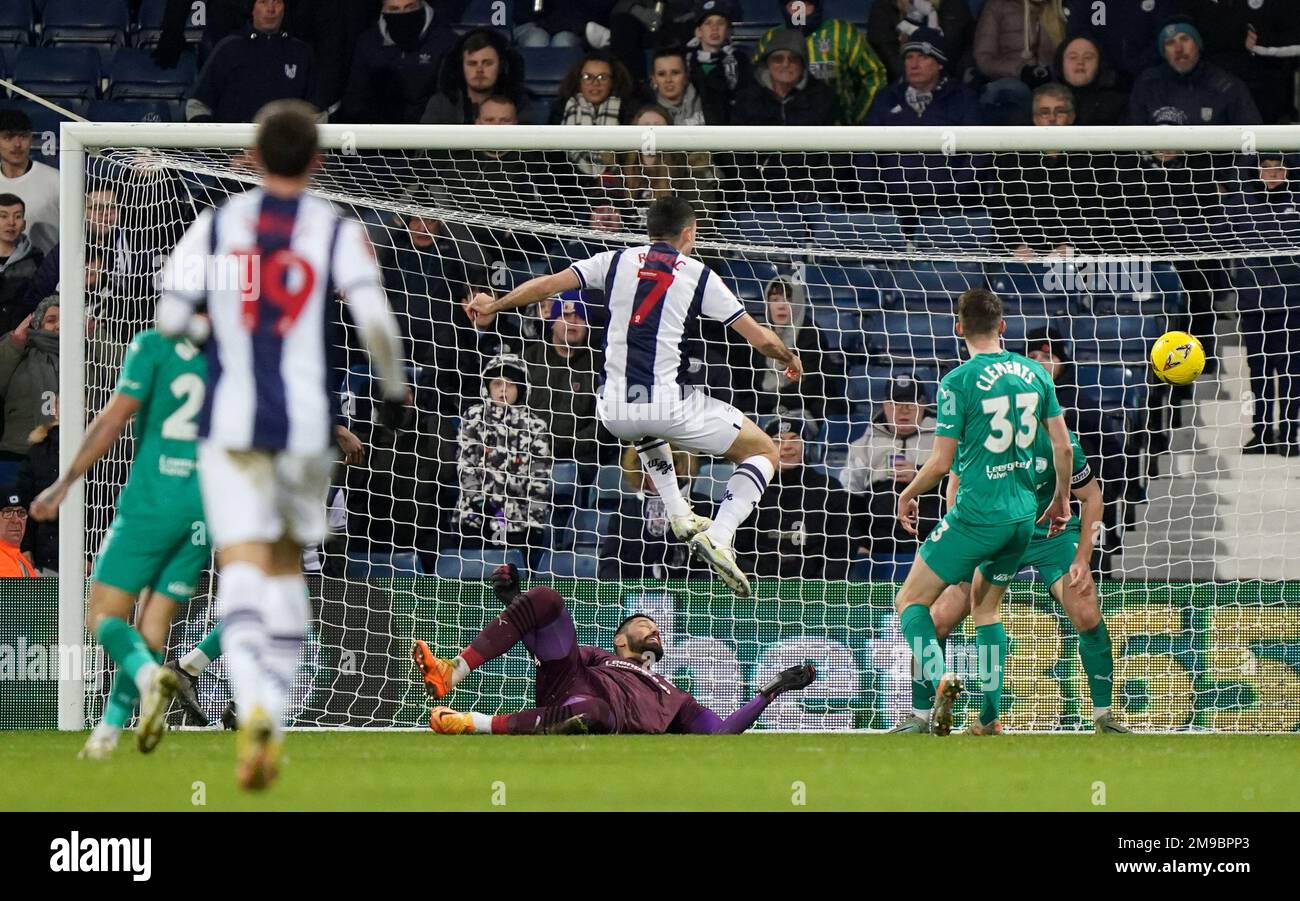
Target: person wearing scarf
593 94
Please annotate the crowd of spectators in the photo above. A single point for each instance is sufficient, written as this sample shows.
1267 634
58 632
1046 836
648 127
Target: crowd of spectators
498 402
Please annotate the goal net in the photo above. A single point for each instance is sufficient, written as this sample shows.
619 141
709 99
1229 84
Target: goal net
853 245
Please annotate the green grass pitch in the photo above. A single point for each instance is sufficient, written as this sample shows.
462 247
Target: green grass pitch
422 771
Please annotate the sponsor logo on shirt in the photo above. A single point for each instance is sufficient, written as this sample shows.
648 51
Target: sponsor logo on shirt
178 467
1002 470
290 70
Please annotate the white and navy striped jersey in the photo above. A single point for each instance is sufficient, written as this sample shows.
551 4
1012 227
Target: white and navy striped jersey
654 294
271 269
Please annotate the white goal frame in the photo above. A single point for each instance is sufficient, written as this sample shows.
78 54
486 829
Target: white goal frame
78 139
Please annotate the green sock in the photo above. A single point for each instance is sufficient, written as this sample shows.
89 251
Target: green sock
124 644
918 629
211 644
991 644
124 696
1098 663
922 689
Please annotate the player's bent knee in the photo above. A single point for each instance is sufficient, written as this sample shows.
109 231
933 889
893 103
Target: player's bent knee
547 603
106 601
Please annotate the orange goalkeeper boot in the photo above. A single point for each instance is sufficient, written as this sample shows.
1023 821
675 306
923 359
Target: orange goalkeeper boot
945 696
446 721
435 670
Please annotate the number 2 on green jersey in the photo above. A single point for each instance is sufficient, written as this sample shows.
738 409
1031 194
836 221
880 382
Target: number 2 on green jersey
1001 431
180 426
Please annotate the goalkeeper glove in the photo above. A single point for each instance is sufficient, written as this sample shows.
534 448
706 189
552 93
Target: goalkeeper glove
505 583
789 679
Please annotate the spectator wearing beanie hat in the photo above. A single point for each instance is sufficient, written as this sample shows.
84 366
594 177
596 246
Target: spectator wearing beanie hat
925 95
1188 90
892 23
718 68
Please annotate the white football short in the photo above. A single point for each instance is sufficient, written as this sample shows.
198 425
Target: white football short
253 495
697 423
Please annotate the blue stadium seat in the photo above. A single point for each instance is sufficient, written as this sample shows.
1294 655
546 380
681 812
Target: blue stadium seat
1135 288
148 27
763 224
16 22
382 566
131 111
945 231
610 487
841 431
1106 384
564 478
918 336
756 17
1019 326
1115 338
589 526
1031 289
474 563
545 67
569 565
930 286
536 110
853 287
748 278
59 72
84 22
834 228
841 329
480 14
135 76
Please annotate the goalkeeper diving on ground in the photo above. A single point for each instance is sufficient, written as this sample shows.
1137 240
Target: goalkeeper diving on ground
655 293
579 688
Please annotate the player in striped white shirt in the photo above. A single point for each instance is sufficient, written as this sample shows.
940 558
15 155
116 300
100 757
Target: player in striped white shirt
268 416
654 294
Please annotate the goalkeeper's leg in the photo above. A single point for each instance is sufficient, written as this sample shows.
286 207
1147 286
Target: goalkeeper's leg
577 715
188 669
1083 607
537 617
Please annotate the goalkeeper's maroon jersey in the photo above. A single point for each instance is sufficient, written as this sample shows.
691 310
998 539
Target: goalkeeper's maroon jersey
642 700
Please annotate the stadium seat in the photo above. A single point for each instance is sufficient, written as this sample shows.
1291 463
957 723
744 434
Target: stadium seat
478 14
610 487
16 22
756 17
945 231
1019 326
854 11
59 72
1110 386
135 76
840 329
763 224
748 278
1116 338
917 336
475 563
1138 288
84 22
536 110
569 565
926 286
853 287
131 111
382 566
148 27
835 228
545 67
589 526
1030 289
564 478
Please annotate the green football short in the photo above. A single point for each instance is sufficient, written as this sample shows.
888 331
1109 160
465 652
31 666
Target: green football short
955 549
1051 557
166 555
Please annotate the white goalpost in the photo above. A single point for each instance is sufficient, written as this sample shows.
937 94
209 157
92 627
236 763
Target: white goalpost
1098 240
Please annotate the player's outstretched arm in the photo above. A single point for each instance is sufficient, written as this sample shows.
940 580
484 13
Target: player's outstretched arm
531 291
703 721
1058 514
100 436
927 477
769 344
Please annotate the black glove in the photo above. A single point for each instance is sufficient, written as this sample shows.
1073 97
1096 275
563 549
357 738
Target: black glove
505 582
392 414
789 679
1035 76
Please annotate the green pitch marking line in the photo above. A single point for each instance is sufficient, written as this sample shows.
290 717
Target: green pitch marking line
421 771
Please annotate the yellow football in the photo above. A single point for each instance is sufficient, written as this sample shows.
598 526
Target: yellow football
1177 358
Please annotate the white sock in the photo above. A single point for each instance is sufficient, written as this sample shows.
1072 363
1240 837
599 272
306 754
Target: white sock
744 489
1099 712
922 714
482 723
144 677
104 730
242 597
459 669
195 662
287 613
657 461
